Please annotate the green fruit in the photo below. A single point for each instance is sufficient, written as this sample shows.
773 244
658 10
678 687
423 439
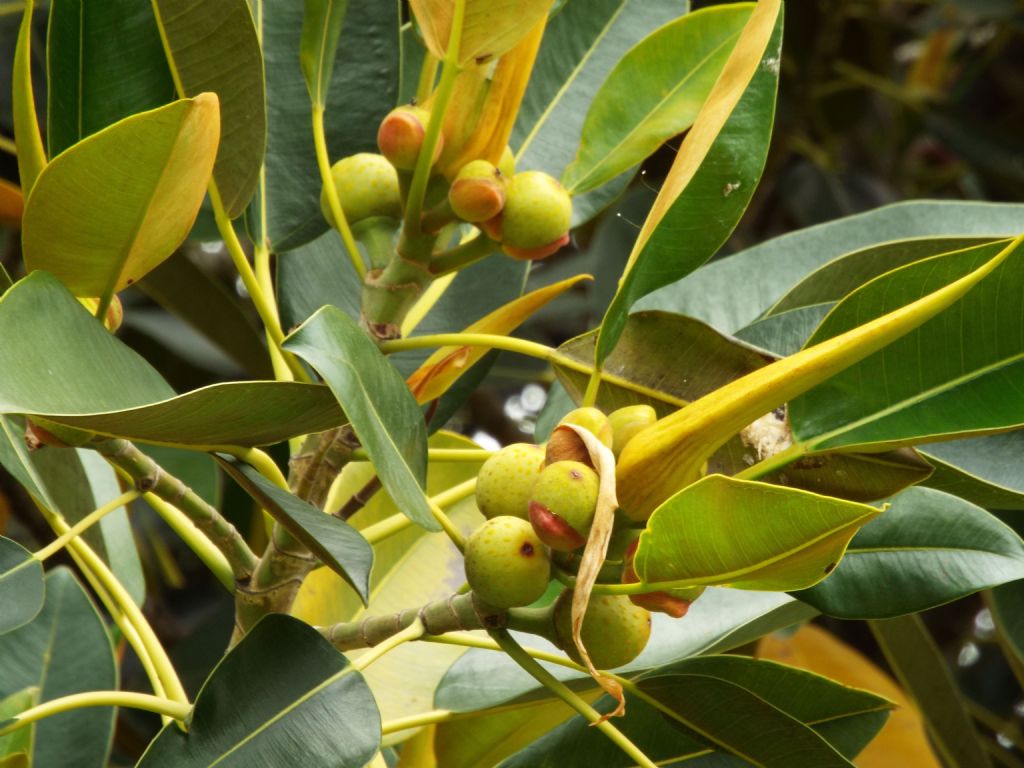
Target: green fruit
478 192
507 163
536 218
506 478
562 504
592 420
506 564
400 136
627 422
367 186
614 630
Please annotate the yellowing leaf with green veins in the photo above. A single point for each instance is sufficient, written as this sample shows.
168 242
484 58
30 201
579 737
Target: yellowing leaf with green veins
747 535
117 204
668 456
489 29
443 368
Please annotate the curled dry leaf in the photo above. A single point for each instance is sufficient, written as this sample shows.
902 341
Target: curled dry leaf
594 553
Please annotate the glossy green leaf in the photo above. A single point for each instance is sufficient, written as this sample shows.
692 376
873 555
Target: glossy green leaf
17 744
747 535
73 483
335 543
381 409
411 567
785 333
834 280
362 89
21 585
721 620
105 62
654 93
187 291
666 360
151 172
65 650
953 375
982 470
94 382
321 30
732 292
845 717
581 44
263 708
214 47
922 671
929 548
714 175
27 137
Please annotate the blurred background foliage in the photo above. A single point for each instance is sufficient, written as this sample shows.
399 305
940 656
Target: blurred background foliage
880 101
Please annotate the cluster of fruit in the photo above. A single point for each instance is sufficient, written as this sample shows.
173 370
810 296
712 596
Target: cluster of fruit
540 503
528 213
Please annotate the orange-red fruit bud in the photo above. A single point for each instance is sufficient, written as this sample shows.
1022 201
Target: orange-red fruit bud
553 530
401 136
478 192
533 254
660 602
492 228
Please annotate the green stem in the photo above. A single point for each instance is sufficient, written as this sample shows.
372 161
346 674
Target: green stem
412 632
421 175
423 718
265 305
84 524
391 525
491 341
261 462
570 697
323 162
158 656
463 255
75 701
428 74
150 477
195 539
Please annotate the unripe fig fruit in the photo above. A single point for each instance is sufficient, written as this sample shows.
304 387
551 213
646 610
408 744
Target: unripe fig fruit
400 136
562 504
478 192
566 445
674 602
507 163
506 564
367 186
614 630
115 311
505 480
536 218
626 422
492 227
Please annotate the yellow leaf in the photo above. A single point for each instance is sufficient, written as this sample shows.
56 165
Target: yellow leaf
902 741
446 365
490 27
670 455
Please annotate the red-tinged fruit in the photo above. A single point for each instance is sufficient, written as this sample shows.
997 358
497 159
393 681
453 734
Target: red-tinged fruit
401 135
478 192
562 503
506 564
536 217
367 186
492 228
553 530
566 445
505 480
675 602
614 630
